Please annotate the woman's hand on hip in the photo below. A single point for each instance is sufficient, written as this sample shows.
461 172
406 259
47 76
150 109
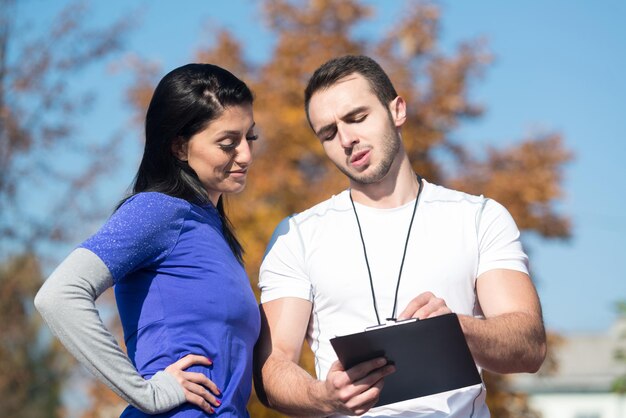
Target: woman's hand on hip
199 389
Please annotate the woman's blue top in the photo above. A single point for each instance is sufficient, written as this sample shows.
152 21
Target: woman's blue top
180 290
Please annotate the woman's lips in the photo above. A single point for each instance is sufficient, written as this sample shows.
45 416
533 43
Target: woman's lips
238 173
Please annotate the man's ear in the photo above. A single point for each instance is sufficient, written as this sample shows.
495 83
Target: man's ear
397 107
179 148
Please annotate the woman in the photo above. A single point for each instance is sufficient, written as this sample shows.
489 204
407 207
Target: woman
189 315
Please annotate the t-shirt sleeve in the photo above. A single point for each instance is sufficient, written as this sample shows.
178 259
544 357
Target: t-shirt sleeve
283 271
499 240
141 232
67 302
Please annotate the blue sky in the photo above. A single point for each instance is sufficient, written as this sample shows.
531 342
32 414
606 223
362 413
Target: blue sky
559 66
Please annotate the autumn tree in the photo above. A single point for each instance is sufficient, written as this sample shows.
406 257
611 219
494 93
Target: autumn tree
31 371
291 172
44 192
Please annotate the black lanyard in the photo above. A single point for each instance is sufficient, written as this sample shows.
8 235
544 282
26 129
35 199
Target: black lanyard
406 244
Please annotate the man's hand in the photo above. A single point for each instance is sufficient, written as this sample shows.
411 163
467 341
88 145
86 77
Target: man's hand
425 305
356 390
283 385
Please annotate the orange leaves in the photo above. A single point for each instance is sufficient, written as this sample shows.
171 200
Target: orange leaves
145 75
308 33
417 32
447 98
316 15
226 53
526 178
30 371
291 172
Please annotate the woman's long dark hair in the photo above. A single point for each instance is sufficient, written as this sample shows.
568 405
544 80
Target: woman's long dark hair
185 101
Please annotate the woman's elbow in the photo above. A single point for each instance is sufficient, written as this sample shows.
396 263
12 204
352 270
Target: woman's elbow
44 302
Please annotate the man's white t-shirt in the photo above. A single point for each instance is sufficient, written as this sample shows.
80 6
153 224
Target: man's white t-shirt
318 255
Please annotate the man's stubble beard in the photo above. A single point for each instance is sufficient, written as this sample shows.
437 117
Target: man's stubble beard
390 148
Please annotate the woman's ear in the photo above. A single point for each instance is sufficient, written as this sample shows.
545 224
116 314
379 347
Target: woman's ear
179 148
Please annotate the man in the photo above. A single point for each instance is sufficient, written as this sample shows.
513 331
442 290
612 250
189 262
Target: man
391 246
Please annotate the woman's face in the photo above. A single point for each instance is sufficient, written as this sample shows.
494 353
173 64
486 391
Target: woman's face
222 153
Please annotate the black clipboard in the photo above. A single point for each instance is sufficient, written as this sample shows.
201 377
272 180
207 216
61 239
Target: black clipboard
430 355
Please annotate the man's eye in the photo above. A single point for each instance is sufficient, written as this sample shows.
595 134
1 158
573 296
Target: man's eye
252 138
329 137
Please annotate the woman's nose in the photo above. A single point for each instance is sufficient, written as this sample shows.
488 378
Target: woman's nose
244 153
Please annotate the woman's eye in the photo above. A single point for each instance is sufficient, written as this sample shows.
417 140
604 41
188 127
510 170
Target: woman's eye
228 145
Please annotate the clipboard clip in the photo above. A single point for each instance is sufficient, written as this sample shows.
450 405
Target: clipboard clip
390 322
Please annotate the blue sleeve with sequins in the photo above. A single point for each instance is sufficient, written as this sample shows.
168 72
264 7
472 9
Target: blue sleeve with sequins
140 233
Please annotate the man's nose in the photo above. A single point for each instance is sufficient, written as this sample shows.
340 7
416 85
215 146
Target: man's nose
347 138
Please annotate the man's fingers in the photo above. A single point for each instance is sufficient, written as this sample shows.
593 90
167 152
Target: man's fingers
364 401
415 305
373 378
425 305
336 366
438 312
435 307
357 389
347 390
363 369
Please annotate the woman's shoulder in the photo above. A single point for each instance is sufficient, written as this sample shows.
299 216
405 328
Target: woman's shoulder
145 227
155 204
156 198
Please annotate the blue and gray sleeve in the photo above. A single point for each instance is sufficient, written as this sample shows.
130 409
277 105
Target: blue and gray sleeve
67 303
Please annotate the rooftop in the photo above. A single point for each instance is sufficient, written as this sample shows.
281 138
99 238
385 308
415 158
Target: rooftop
584 363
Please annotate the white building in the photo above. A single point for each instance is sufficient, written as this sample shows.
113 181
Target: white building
581 387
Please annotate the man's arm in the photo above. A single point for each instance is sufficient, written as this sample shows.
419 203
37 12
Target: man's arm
283 385
511 338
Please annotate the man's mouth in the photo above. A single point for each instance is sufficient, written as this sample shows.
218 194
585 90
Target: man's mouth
360 158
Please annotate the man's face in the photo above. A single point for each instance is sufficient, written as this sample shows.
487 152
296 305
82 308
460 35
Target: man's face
357 132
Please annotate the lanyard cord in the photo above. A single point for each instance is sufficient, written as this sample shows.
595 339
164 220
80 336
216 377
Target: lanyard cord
406 244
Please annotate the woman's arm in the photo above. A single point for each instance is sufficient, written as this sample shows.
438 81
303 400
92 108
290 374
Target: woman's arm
67 303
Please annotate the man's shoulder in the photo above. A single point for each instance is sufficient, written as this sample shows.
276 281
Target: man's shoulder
434 193
323 211
302 226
